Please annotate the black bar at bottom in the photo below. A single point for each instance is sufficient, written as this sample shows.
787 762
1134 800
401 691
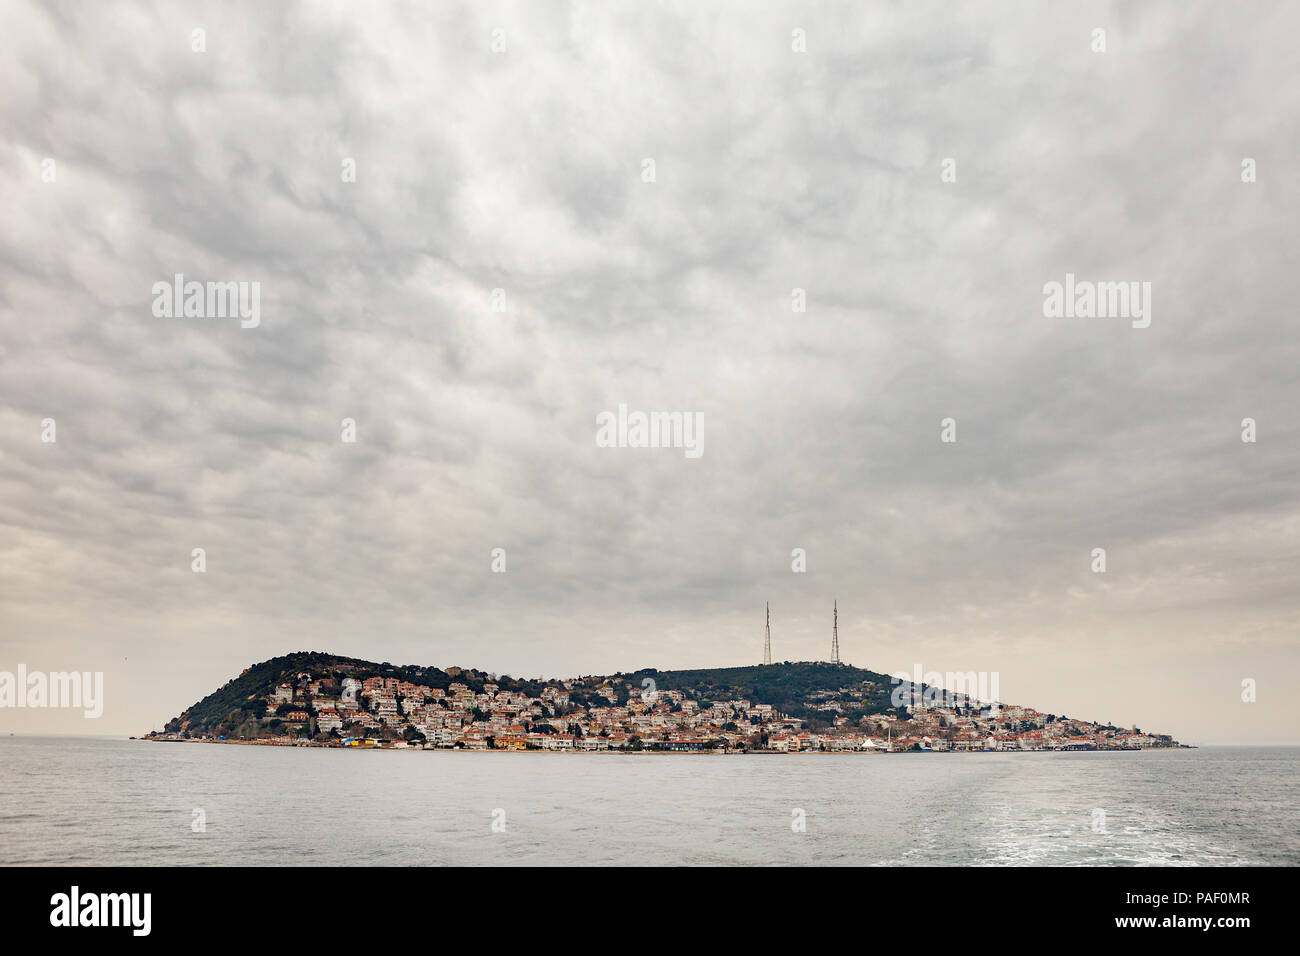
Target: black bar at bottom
241 904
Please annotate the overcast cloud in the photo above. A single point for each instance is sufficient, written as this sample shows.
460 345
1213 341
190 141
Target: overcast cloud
522 170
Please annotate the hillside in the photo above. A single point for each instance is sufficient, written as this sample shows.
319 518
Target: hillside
327 699
792 688
236 701
795 689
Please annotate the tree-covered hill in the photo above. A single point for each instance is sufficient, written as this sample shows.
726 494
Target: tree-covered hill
238 699
834 699
796 689
789 687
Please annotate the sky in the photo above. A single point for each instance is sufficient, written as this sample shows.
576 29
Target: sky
474 228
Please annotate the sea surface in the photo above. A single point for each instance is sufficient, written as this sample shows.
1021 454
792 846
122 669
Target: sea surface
102 801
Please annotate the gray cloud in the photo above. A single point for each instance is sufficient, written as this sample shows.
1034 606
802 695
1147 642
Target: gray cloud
775 170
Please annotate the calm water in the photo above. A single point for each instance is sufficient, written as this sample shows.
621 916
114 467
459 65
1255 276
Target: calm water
83 801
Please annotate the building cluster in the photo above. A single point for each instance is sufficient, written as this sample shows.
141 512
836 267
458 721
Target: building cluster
615 715
1013 728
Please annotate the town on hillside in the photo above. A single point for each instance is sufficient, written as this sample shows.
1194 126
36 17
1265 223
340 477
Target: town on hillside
332 709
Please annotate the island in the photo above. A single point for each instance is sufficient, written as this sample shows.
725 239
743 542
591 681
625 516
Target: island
316 699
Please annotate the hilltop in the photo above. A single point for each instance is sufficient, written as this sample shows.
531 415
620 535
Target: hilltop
796 689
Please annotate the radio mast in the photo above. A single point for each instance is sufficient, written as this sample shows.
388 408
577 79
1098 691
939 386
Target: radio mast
767 637
835 635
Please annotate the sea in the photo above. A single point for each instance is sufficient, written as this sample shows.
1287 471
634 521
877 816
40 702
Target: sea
99 801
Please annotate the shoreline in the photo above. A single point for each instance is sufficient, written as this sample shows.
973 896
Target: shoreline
646 751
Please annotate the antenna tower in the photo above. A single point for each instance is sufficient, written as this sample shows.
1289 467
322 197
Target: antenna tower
767 637
835 635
